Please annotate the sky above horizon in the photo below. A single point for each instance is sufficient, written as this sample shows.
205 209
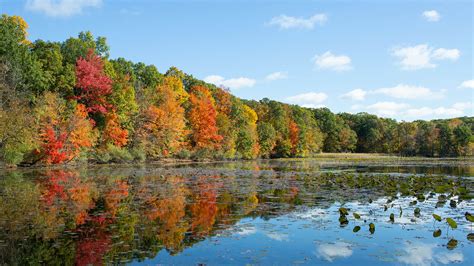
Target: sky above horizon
406 60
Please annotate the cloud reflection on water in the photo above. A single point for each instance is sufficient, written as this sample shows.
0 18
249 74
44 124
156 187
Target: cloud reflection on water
422 254
332 251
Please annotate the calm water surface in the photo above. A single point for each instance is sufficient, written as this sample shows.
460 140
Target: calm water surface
264 212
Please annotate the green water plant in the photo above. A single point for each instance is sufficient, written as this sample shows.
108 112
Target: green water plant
452 244
417 212
372 228
452 223
356 215
437 217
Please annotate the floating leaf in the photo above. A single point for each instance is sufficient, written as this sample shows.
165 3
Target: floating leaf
343 220
356 229
469 217
392 217
343 211
356 215
420 197
442 198
385 208
417 212
452 244
371 228
452 203
452 223
437 217
470 237
437 233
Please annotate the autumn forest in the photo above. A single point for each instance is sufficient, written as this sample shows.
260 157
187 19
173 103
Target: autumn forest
69 102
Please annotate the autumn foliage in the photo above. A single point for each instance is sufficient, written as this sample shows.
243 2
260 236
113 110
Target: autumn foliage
63 102
92 84
202 118
113 133
62 139
164 129
53 151
294 131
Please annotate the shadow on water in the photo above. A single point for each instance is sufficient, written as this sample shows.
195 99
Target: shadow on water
252 212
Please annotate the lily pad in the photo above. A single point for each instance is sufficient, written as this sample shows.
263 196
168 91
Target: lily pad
343 211
452 223
343 220
469 217
452 203
437 233
452 244
356 215
417 212
470 237
356 229
371 228
437 217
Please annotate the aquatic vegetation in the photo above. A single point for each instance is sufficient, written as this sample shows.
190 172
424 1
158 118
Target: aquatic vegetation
142 214
452 223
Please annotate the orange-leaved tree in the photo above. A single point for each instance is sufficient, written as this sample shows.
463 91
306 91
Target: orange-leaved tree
294 135
165 125
113 133
202 117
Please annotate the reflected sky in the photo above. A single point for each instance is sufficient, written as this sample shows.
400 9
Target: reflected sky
269 213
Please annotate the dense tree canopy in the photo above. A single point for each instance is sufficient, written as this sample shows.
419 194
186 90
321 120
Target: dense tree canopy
69 102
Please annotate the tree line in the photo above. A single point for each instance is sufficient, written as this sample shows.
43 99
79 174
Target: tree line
69 101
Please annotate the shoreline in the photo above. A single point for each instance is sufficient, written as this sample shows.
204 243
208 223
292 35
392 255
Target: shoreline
343 157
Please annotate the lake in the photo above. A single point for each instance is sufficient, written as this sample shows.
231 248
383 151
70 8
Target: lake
308 211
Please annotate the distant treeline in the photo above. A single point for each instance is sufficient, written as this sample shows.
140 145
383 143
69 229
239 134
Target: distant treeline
68 101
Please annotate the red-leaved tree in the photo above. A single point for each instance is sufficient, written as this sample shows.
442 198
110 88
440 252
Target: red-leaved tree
92 85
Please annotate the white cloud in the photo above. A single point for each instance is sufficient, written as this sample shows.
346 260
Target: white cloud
276 76
61 8
332 251
403 91
233 83
422 56
463 106
403 110
356 95
457 109
467 84
448 54
431 15
387 108
439 111
332 62
287 22
310 99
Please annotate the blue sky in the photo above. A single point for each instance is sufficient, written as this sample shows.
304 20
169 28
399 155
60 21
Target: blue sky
402 59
